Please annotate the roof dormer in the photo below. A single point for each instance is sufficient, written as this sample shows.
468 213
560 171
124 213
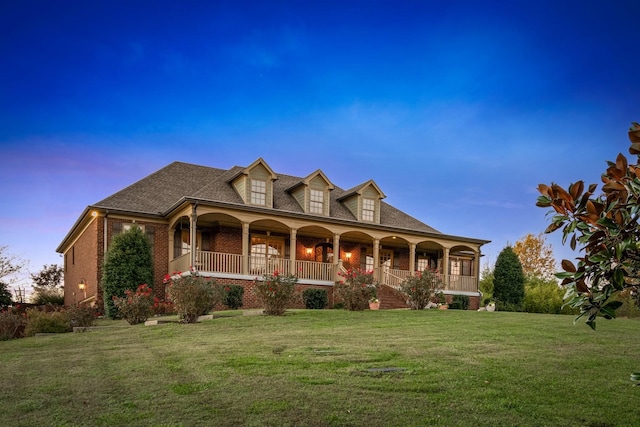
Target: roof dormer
255 184
312 193
364 201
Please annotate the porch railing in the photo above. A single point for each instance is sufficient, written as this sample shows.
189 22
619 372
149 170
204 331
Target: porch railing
391 276
219 262
462 283
260 265
315 270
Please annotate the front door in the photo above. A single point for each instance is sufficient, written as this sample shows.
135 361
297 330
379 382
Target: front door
386 258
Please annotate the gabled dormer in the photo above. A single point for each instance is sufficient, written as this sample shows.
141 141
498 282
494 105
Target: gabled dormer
364 201
312 193
255 184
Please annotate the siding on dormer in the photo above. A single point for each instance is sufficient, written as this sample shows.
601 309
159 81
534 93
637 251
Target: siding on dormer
261 173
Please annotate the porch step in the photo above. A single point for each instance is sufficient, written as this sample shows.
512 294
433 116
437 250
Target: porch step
391 298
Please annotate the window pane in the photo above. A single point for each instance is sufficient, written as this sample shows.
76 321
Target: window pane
258 192
368 207
316 202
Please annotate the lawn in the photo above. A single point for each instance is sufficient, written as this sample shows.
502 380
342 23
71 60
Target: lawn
329 368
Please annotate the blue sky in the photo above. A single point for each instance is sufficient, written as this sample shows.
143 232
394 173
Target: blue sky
457 109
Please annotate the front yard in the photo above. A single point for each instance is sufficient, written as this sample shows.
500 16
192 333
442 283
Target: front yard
329 367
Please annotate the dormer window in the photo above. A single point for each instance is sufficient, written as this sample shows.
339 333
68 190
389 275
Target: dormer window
316 203
312 193
368 209
258 192
255 183
364 202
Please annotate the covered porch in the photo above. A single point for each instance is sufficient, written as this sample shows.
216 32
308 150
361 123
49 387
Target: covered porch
244 248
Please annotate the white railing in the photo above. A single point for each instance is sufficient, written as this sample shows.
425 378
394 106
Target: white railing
462 283
219 262
180 264
260 265
315 270
391 276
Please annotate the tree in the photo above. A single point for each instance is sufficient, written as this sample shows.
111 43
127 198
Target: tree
606 228
47 287
128 264
486 284
508 280
9 264
536 256
5 296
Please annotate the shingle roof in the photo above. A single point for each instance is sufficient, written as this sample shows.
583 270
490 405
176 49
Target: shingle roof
157 193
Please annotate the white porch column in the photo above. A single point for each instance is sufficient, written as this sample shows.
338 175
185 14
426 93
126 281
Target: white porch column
245 248
412 258
336 248
172 234
193 235
476 267
376 253
445 267
292 251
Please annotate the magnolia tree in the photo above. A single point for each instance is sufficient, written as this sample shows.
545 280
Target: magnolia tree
605 227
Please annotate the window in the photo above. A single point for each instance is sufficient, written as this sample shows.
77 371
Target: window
423 264
258 192
127 227
316 203
263 249
461 267
368 209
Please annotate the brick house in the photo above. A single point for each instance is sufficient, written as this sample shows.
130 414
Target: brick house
240 223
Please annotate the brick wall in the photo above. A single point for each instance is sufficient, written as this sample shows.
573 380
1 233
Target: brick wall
249 299
228 240
81 264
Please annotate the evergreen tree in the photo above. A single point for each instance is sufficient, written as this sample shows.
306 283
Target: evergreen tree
5 296
128 264
508 281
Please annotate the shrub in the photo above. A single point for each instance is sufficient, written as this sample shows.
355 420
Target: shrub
128 262
164 308
48 296
542 296
421 288
629 307
508 280
358 288
46 322
136 307
81 316
12 324
192 296
275 292
233 296
315 299
459 302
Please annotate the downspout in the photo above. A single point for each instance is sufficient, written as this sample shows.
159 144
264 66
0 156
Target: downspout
104 233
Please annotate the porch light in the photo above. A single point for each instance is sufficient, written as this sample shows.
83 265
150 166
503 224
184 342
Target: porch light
309 250
82 287
347 255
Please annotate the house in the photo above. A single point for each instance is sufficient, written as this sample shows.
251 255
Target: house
240 223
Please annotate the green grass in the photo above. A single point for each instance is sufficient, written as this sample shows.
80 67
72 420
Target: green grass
324 368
